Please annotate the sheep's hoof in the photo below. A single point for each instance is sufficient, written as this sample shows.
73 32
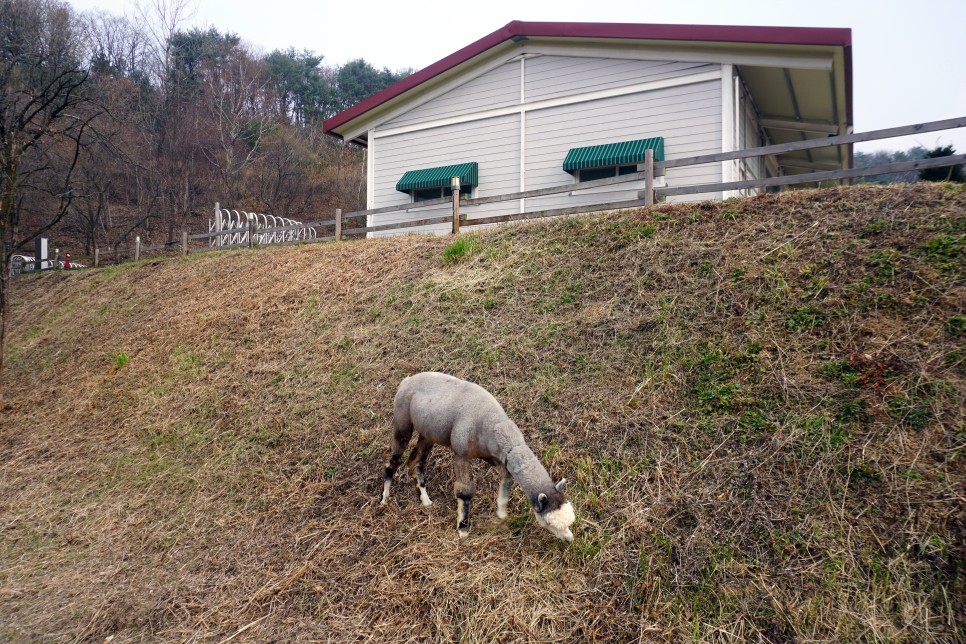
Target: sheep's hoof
502 515
464 533
426 503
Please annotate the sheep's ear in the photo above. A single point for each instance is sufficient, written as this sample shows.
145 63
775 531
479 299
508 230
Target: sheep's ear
560 485
541 502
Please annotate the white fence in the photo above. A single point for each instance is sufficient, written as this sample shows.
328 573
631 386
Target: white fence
233 227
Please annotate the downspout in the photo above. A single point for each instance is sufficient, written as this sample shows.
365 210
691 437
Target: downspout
727 125
370 153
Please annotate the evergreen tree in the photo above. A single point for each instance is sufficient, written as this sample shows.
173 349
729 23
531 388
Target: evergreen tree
949 173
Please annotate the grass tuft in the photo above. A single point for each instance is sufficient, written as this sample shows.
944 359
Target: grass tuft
461 250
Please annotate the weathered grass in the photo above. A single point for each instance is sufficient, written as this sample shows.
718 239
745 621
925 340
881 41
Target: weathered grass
758 404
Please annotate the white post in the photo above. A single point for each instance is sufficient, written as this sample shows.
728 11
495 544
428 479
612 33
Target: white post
137 248
218 224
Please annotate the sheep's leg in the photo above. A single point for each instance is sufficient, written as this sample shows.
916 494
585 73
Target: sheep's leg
397 445
417 467
464 486
503 495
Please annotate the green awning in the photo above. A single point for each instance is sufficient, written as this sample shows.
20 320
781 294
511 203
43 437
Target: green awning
623 153
439 177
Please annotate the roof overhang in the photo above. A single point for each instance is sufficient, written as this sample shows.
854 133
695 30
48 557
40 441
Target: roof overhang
800 77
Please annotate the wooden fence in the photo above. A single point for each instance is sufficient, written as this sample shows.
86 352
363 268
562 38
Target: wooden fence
646 197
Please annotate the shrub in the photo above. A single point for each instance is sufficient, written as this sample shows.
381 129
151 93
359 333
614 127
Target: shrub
949 173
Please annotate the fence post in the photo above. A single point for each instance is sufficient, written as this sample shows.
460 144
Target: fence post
649 177
218 224
137 248
338 224
184 243
455 185
97 257
251 229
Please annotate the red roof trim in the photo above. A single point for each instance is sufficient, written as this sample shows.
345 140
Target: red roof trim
692 33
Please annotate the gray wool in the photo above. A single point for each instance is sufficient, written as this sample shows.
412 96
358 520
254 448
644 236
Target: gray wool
526 468
467 418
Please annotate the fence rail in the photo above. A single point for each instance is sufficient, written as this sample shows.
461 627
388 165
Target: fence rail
239 230
818 177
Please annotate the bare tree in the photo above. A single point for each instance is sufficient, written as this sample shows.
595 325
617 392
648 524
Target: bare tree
46 120
234 95
162 19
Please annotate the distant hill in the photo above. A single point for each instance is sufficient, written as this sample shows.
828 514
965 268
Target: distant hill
758 404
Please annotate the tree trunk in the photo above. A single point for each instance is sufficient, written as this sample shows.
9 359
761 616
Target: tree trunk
4 312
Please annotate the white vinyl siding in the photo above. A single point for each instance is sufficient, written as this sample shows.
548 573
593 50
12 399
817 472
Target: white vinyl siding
559 76
481 120
688 117
499 87
492 143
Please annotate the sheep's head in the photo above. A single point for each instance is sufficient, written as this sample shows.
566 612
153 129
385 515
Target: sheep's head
554 512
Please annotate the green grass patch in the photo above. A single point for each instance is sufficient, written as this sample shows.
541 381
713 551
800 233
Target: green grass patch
956 325
884 263
805 318
461 250
945 252
914 413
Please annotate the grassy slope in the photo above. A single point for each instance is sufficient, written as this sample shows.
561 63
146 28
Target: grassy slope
758 404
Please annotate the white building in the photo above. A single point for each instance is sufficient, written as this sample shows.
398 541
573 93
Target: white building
534 105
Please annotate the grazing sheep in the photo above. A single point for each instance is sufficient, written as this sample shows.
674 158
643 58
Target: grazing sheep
444 410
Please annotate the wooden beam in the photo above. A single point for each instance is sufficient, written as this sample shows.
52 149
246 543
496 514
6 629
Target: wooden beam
479 201
803 125
456 205
559 212
781 148
649 177
400 208
553 190
402 224
808 165
815 177
661 166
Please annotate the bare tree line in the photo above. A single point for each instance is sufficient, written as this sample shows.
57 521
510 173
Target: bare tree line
191 116
114 126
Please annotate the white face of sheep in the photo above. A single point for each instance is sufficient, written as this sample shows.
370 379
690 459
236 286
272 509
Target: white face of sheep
557 521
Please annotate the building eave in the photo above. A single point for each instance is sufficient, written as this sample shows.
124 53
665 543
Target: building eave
368 111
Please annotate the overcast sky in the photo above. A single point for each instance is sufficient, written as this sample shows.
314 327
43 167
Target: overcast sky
909 58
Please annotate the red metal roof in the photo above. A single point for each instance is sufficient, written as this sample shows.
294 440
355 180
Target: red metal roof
692 33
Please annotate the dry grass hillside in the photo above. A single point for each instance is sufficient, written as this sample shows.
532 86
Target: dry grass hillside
758 403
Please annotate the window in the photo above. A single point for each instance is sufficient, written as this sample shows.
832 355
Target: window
592 174
426 194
